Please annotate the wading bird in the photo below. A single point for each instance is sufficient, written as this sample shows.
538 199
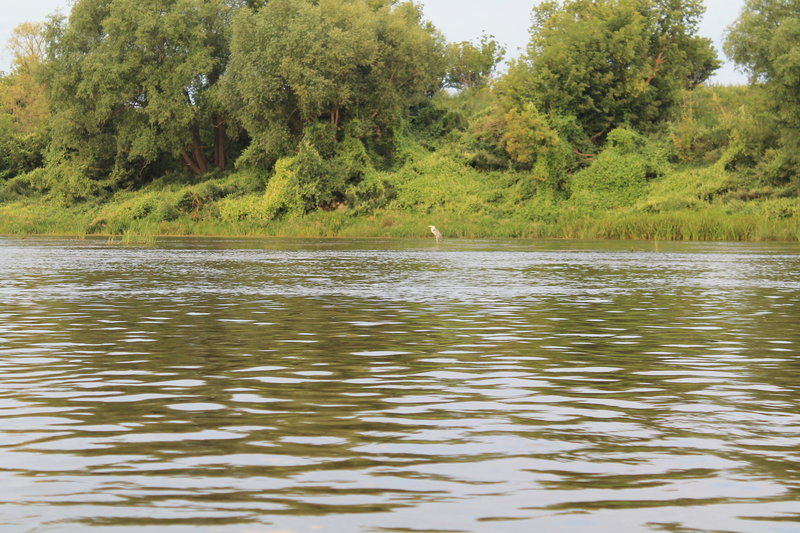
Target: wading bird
436 233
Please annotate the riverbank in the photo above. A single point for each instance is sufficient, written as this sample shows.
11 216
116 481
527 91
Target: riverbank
751 221
694 181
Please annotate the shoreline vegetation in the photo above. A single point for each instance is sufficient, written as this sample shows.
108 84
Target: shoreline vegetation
194 211
355 118
675 227
140 217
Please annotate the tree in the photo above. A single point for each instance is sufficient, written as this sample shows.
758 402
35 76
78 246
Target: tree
23 107
27 45
471 66
612 62
132 83
21 93
765 42
328 69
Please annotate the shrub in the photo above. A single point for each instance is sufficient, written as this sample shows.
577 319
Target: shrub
618 176
68 182
249 207
374 192
437 181
283 195
687 189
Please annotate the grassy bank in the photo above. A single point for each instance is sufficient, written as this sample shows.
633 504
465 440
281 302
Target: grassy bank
757 223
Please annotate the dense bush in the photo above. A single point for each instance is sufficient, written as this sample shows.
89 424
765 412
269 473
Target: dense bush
686 189
619 175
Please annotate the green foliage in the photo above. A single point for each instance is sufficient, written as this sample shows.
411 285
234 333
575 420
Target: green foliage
63 184
619 175
161 203
69 182
436 182
352 162
375 191
19 153
344 129
352 68
317 180
687 189
611 62
708 119
470 65
133 81
308 181
284 195
484 141
702 225
266 147
434 121
527 134
439 182
774 209
252 207
23 108
193 199
763 37
765 41
736 126
521 137
22 95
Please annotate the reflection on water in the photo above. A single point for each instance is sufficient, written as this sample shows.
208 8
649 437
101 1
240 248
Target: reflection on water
257 386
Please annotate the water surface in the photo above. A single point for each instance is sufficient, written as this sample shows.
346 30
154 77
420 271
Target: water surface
385 386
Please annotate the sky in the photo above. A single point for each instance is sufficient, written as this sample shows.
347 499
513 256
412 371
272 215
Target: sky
459 20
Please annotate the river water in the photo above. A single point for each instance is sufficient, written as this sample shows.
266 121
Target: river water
399 386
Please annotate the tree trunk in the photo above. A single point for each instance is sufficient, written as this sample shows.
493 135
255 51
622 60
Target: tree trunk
187 158
196 158
335 118
199 154
219 142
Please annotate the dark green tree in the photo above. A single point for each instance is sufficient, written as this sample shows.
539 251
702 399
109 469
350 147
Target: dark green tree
765 42
612 62
132 83
326 70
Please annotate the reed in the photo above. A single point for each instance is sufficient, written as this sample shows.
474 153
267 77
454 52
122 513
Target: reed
690 225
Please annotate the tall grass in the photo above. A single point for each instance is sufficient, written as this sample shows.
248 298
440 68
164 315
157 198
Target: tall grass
687 225
712 224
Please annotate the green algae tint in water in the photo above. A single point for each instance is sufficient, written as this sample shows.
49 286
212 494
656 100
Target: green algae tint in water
254 386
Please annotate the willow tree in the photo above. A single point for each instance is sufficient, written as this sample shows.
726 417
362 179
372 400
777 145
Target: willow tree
132 83
328 70
612 62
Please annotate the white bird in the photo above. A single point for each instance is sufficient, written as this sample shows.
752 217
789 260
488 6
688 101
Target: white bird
436 233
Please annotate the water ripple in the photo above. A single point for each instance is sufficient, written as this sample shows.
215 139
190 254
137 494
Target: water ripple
376 386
